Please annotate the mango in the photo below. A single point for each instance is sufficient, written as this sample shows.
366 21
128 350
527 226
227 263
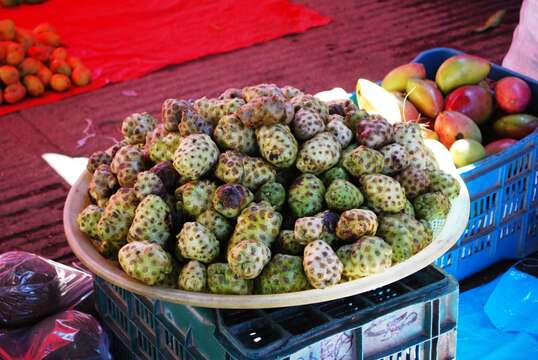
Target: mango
396 79
429 134
452 126
471 100
498 146
30 66
60 82
44 74
9 74
461 70
25 38
74 61
7 30
376 100
14 53
14 93
60 67
40 52
59 53
34 86
515 126
44 27
408 111
512 94
81 76
48 38
466 151
425 95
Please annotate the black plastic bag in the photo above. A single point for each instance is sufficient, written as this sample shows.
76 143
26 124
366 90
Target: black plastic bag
68 335
32 287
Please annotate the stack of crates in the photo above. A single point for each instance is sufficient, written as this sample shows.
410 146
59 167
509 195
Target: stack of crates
503 222
413 318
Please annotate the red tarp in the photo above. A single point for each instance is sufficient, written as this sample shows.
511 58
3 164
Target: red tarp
126 39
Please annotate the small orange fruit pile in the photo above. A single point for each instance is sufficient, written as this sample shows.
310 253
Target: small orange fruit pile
33 60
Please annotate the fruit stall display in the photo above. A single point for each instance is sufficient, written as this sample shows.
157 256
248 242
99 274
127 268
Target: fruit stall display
463 108
33 60
266 190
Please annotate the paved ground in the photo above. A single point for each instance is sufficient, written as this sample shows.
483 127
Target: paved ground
366 39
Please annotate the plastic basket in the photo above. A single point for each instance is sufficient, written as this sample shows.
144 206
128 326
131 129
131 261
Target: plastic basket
414 318
503 222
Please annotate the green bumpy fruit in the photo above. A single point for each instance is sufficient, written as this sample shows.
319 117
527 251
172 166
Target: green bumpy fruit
196 242
251 172
172 111
283 274
230 199
194 123
118 215
336 172
102 184
87 220
342 195
193 277
306 124
272 192
145 261
247 258
431 206
340 131
250 93
161 146
219 225
195 156
308 229
408 208
306 195
362 160
288 244
135 127
258 221
170 280
148 183
422 235
222 280
383 193
151 221
321 265
214 109
277 145
196 196
127 163
309 102
398 236
369 255
318 154
445 183
231 134
356 223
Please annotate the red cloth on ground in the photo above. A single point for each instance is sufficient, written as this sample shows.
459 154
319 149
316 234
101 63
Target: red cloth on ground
126 39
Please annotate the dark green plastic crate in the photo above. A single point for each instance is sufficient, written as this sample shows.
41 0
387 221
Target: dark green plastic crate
414 318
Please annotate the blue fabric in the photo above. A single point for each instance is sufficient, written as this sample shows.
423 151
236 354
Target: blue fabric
513 304
479 338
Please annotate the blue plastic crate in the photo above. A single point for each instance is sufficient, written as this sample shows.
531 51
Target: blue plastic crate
503 222
411 318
